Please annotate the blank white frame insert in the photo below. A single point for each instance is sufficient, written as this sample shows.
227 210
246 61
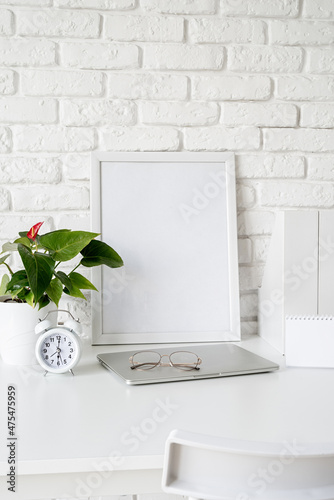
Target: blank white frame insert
172 218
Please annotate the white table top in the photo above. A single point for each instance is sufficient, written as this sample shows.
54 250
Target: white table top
70 424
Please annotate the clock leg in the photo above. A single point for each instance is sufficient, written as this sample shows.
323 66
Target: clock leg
45 373
72 373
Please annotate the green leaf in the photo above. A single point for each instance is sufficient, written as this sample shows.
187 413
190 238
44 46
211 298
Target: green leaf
3 286
81 282
9 247
29 298
24 241
39 268
26 295
55 290
64 279
65 244
43 301
97 253
3 258
75 292
19 279
15 292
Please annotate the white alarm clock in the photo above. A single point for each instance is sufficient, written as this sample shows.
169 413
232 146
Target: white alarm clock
58 348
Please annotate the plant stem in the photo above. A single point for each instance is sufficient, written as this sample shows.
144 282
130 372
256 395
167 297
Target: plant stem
76 267
9 269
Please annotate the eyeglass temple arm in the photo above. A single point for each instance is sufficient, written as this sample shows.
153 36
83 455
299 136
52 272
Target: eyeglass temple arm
185 364
198 362
138 365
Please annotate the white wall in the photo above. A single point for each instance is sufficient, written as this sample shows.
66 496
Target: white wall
249 76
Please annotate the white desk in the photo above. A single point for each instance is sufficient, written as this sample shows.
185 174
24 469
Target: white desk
91 434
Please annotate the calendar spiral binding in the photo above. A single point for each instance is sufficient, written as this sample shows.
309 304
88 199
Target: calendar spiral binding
311 318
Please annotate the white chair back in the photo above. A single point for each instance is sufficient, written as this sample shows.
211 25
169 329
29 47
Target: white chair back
211 468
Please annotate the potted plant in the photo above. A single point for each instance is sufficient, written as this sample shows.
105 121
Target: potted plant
40 282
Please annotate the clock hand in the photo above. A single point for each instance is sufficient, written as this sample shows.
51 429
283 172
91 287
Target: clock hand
56 351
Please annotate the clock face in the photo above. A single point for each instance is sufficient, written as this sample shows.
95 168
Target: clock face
58 350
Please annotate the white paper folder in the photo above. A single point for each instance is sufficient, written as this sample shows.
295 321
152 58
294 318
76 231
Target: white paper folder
298 278
309 341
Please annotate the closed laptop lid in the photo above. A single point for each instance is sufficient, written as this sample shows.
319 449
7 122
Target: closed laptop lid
217 360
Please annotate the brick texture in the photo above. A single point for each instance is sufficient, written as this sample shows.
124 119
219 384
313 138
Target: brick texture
265 59
262 115
290 139
183 57
7 82
301 33
144 28
98 55
52 138
180 7
28 110
305 88
97 112
96 4
139 139
6 22
320 168
58 23
207 30
62 83
148 86
179 113
319 9
23 170
222 138
274 8
320 60
20 52
221 88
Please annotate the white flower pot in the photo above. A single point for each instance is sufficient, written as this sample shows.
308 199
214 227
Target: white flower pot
17 331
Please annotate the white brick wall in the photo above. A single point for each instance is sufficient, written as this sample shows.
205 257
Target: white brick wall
144 28
252 77
62 83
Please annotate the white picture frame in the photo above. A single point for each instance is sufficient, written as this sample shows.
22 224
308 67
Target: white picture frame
172 218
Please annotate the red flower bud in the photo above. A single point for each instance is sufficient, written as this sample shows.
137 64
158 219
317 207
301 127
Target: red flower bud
32 233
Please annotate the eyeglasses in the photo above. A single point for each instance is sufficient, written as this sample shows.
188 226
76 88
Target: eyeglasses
146 360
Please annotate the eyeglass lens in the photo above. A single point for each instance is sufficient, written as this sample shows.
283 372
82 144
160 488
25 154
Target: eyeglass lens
184 360
145 360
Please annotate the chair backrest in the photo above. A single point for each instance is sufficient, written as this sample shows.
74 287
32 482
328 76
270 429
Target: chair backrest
211 468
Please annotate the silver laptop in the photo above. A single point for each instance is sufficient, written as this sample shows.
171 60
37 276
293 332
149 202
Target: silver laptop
217 360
